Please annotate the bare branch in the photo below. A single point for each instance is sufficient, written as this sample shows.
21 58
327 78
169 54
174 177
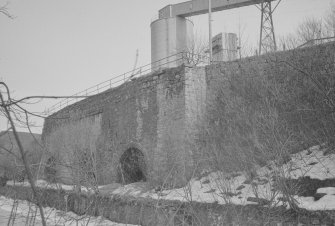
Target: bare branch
4 11
9 151
43 97
22 152
5 132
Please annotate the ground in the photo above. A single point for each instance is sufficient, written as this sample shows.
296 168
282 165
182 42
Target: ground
308 176
25 213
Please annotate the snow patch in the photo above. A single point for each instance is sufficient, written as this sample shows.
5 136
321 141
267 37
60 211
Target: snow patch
26 211
238 188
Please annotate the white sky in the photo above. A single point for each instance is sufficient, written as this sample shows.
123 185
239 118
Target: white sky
61 47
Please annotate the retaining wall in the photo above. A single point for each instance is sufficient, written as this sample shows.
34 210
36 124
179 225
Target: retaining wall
159 114
148 113
161 212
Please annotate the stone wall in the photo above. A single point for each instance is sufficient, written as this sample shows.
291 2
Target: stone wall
159 115
317 61
195 108
148 113
289 92
145 211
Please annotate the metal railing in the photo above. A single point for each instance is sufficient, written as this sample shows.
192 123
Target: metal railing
180 58
316 41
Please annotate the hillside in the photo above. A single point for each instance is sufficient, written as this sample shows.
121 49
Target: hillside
7 138
306 181
8 163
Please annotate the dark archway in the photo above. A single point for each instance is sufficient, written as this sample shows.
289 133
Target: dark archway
50 169
131 167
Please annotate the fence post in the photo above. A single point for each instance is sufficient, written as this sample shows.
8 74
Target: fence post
182 58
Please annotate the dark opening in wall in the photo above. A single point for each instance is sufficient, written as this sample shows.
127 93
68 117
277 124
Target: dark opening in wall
132 167
50 169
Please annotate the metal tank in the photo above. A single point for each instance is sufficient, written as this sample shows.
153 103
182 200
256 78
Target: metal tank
224 47
169 37
230 46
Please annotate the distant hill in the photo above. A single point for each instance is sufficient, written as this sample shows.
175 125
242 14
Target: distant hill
7 139
8 142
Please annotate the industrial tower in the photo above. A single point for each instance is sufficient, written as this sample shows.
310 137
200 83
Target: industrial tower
267 40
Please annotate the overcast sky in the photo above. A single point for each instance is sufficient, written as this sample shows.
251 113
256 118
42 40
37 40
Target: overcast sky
60 47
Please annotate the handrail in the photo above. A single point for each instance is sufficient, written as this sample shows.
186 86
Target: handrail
120 79
313 41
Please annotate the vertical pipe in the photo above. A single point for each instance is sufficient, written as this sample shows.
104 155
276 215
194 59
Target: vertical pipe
170 11
210 30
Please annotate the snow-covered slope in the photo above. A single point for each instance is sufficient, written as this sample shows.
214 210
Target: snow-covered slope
26 213
315 165
238 188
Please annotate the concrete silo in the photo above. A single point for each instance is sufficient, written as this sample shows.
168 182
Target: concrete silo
169 36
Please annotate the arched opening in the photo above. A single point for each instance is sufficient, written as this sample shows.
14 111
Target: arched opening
50 169
131 167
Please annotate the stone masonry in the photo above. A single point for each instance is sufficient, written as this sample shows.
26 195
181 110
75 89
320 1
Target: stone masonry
156 115
152 114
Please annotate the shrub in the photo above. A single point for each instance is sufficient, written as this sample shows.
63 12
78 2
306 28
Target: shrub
266 108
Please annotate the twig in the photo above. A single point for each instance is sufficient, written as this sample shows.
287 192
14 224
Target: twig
22 152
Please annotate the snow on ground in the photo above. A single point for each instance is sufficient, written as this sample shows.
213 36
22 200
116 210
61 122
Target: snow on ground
215 187
45 184
25 212
238 188
327 202
313 163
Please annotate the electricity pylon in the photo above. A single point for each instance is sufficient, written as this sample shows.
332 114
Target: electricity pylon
267 42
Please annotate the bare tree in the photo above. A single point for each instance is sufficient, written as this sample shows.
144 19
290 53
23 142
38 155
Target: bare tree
195 52
288 42
254 117
244 47
4 11
17 115
310 29
5 106
330 21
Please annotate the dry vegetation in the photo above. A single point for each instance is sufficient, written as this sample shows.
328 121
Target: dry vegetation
266 112
311 31
256 117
